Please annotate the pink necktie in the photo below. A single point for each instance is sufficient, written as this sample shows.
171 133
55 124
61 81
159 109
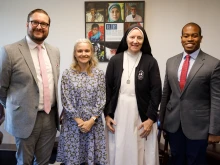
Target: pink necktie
46 91
184 71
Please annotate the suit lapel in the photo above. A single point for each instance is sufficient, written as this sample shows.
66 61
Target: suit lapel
195 68
24 49
176 67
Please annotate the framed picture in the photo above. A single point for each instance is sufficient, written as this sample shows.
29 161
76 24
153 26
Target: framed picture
107 21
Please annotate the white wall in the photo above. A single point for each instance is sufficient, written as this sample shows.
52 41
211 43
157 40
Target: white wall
164 20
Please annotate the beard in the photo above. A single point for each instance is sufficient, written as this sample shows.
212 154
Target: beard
36 38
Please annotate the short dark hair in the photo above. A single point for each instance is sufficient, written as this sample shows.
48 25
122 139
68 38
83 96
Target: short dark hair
194 24
91 6
95 25
37 11
133 5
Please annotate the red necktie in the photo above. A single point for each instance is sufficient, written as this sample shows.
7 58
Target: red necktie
184 71
46 90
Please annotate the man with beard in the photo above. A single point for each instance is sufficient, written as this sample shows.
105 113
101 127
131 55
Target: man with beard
189 110
29 71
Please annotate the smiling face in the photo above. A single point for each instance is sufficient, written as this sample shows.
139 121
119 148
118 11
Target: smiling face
114 14
83 54
37 33
191 38
135 40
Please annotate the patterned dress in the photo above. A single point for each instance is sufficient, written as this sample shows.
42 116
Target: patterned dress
82 96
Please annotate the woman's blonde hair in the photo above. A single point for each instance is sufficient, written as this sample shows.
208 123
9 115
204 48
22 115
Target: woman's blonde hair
93 61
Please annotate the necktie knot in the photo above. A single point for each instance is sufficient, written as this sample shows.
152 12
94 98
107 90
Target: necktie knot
187 57
39 47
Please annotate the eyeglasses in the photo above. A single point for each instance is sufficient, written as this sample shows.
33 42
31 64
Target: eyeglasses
42 24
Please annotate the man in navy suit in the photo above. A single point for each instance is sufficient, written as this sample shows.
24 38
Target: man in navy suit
191 115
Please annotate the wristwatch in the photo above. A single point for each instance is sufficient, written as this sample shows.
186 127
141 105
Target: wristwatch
94 118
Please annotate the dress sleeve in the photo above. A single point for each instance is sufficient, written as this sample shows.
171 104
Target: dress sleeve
101 95
67 100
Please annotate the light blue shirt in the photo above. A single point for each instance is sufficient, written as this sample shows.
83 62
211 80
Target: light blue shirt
193 57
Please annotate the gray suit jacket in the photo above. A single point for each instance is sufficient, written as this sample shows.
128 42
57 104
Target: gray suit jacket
197 107
19 93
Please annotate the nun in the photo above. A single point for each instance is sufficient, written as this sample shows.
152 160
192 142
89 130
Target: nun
133 91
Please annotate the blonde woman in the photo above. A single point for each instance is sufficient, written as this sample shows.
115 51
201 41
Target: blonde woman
82 139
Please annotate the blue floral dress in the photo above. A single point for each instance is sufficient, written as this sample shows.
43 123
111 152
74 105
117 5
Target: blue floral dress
82 96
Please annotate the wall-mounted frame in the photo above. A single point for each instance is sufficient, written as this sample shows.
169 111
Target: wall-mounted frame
106 22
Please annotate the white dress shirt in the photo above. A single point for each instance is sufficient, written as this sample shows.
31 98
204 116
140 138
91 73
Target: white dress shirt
193 57
137 18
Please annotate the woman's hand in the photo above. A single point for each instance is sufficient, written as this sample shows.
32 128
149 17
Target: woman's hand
78 120
109 123
86 125
147 127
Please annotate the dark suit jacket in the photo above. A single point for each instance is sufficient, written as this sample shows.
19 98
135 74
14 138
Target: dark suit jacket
197 107
19 93
148 90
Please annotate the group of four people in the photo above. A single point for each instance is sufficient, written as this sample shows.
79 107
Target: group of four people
129 94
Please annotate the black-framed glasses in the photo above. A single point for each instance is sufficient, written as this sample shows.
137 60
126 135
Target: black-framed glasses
42 24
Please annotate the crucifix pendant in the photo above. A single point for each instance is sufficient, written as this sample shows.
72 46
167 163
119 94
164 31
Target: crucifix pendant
128 81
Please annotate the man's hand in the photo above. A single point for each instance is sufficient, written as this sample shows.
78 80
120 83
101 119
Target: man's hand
213 139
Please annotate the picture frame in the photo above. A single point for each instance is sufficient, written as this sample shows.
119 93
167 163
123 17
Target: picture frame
107 21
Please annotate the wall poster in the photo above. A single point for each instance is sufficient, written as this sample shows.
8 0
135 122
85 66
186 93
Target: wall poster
106 22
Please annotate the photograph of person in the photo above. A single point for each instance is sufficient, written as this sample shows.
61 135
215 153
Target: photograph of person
92 14
115 12
110 49
95 34
133 16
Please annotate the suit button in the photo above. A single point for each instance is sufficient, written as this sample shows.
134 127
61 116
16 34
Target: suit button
36 107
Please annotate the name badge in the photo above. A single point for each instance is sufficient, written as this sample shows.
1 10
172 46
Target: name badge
141 75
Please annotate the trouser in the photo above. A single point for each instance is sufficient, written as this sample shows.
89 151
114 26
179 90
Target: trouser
37 148
186 151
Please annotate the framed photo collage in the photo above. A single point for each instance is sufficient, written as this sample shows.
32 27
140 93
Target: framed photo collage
106 22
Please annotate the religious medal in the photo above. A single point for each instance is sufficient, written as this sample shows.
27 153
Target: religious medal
141 75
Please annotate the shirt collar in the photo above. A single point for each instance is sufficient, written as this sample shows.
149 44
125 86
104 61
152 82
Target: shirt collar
32 44
192 55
